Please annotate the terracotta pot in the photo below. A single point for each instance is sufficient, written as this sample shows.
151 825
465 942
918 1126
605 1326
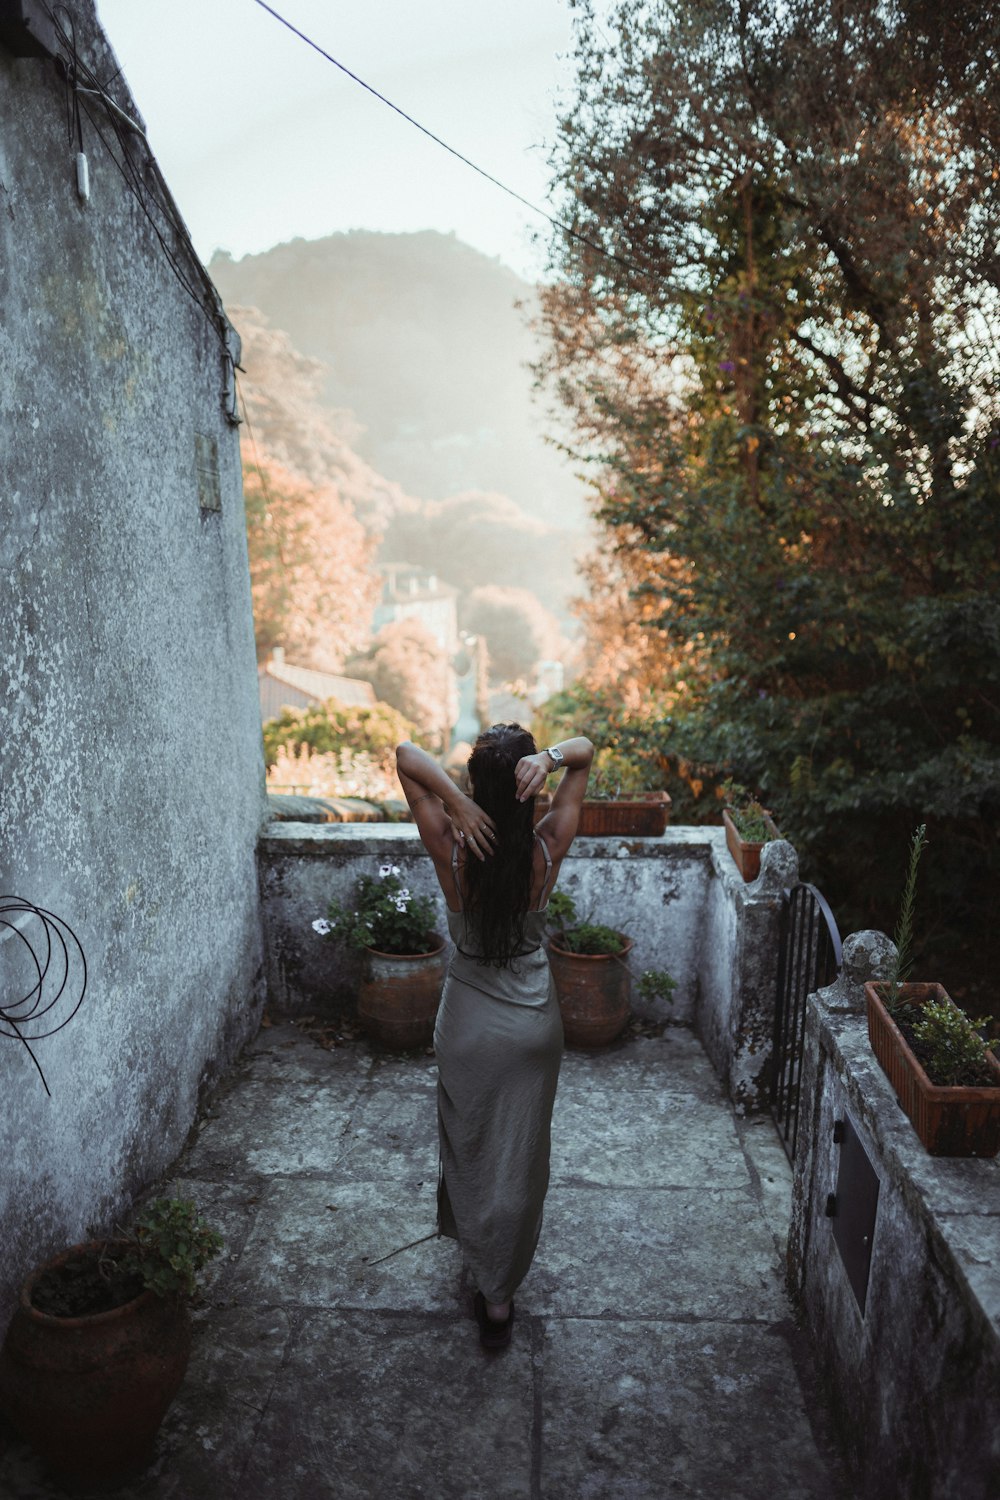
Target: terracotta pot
747 855
400 994
593 992
89 1393
642 816
950 1121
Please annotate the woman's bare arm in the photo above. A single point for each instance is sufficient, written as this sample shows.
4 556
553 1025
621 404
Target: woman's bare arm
560 823
531 771
439 806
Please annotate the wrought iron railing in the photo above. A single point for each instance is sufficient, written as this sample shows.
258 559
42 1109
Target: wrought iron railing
810 957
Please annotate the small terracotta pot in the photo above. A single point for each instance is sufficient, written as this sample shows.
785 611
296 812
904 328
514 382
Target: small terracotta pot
950 1121
747 855
89 1393
400 994
593 992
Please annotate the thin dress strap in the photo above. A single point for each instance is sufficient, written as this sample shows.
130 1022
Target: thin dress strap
454 871
542 895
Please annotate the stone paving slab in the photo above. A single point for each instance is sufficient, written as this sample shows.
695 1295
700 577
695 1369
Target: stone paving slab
370 1406
297 1059
262 1129
675 1060
653 1354
393 1135
646 1411
612 1252
316 1244
644 1139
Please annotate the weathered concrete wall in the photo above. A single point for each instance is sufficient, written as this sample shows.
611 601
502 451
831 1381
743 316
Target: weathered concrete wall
738 970
679 897
130 760
914 1378
653 889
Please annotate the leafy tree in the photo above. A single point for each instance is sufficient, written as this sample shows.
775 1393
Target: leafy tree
328 728
519 630
785 367
409 670
310 567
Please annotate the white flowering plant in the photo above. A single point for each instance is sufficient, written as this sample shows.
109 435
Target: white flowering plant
386 916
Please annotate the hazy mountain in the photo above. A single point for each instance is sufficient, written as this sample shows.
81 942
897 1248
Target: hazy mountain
290 423
421 339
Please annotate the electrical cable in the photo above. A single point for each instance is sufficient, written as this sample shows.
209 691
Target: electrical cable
253 440
543 213
208 304
29 1009
137 195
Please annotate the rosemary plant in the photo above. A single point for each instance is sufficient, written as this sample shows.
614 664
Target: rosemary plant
903 936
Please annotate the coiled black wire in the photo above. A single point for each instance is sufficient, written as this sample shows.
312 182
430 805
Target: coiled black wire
50 957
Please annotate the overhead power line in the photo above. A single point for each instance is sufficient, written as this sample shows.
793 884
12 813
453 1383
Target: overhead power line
535 209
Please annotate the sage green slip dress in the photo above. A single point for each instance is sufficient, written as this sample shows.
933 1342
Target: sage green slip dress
499 1043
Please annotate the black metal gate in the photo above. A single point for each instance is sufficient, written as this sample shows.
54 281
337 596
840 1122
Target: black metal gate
810 958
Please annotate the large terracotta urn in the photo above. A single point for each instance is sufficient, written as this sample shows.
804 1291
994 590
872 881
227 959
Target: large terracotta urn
89 1393
593 991
399 996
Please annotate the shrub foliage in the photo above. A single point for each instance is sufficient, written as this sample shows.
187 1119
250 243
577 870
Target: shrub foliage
785 371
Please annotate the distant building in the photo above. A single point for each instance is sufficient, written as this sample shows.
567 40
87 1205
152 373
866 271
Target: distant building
411 593
548 678
284 686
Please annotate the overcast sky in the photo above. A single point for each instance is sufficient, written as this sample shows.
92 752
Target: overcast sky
262 140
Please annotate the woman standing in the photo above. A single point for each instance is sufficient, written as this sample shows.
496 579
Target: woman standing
498 1037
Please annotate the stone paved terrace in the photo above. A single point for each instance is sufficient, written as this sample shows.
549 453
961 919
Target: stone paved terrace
655 1352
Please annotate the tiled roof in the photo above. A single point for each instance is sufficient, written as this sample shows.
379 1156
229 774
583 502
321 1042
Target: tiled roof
314 686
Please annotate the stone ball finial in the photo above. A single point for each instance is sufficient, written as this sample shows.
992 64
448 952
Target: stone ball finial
779 868
867 955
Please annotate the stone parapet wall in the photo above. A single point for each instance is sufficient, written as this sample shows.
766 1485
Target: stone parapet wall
738 968
679 897
654 889
914 1377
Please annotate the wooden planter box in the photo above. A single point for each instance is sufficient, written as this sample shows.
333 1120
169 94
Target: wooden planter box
949 1121
643 816
747 856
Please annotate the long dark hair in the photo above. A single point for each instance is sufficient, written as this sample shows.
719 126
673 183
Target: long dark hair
497 890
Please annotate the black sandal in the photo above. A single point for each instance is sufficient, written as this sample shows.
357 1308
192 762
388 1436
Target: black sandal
492 1334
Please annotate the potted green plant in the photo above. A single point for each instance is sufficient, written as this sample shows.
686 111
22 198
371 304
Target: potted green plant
748 825
99 1343
404 958
620 800
589 963
945 1075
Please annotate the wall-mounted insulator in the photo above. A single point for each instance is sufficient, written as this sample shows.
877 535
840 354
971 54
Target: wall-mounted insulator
82 177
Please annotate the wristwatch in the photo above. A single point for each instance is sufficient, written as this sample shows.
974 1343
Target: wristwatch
555 756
